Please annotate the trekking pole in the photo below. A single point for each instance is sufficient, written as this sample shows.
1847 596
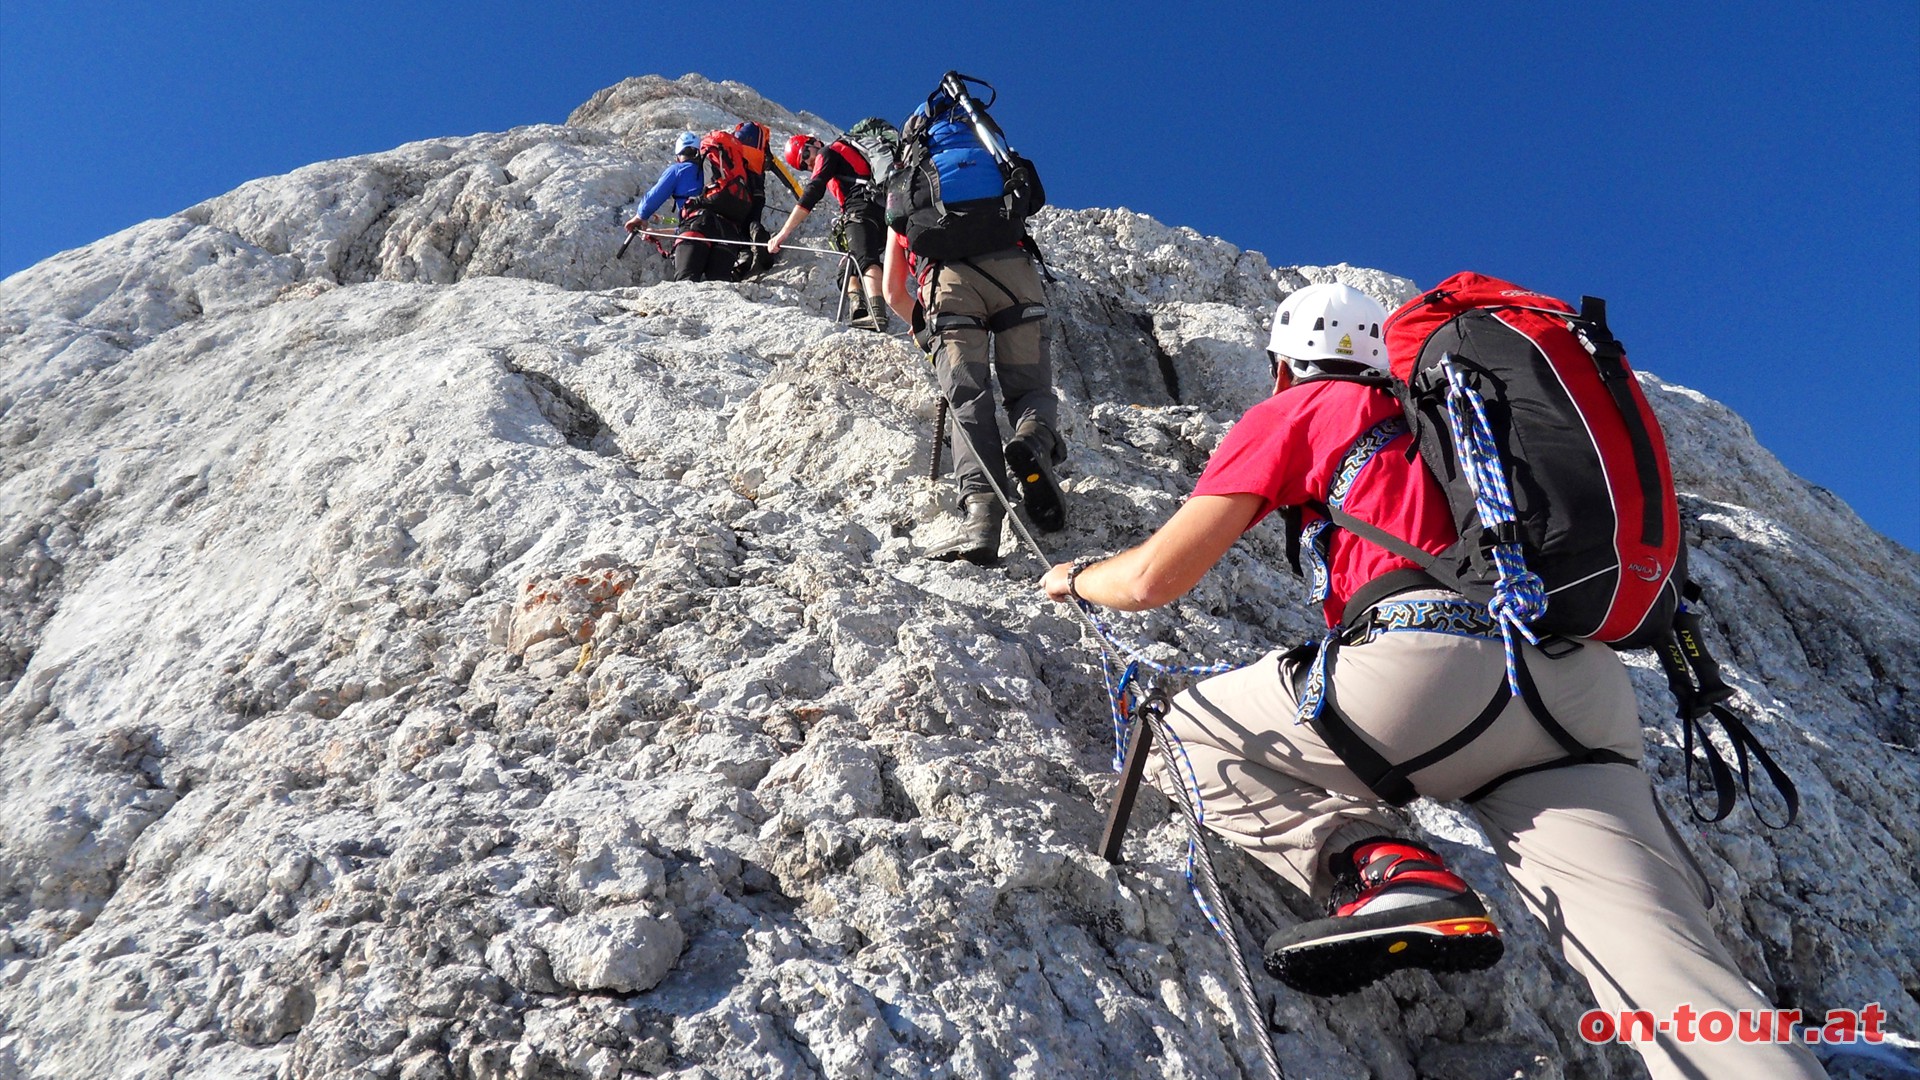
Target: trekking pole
624 245
954 85
939 437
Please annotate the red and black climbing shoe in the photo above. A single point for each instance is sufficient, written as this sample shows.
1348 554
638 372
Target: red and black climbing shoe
1395 905
1040 493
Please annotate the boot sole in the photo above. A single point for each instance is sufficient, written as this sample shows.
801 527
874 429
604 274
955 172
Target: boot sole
976 556
1330 966
1045 503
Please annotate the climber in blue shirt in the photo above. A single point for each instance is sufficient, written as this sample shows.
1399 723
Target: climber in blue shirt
694 259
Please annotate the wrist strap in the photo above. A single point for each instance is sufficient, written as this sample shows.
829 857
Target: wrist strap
1073 572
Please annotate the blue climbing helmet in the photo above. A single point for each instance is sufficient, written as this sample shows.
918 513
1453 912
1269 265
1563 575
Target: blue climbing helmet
687 141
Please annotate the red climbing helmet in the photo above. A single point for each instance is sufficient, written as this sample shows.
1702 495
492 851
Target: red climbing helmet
797 150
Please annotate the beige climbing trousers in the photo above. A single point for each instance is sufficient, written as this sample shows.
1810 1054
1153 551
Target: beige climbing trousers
1585 846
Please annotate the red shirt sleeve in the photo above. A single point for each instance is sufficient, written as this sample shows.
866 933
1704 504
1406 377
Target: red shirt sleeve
1264 455
1286 450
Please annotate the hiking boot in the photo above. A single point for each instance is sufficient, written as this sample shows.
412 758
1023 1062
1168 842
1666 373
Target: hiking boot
977 540
1395 905
870 314
1030 457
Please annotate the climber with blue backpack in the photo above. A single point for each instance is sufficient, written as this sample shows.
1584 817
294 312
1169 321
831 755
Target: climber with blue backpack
1448 670
958 204
854 169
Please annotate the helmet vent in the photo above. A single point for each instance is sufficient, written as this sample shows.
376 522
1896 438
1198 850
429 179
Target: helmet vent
1320 324
1286 317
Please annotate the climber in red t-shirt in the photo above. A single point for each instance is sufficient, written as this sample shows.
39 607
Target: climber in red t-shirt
1298 756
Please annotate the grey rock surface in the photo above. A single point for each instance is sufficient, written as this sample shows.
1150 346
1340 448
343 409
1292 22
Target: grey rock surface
432 648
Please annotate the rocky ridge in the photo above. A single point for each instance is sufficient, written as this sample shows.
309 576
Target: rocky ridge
431 647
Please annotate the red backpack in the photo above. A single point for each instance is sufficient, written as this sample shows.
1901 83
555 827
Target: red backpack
728 188
1552 461
755 141
1557 474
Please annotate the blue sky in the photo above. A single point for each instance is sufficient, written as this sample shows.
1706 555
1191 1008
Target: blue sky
1740 181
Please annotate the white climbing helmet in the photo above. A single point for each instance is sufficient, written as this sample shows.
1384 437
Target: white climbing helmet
1328 322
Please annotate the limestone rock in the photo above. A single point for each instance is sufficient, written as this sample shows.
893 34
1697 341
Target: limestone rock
433 648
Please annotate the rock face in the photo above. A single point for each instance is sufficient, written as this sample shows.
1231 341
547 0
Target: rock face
433 648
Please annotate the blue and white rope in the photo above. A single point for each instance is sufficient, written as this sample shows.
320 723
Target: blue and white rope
1519 597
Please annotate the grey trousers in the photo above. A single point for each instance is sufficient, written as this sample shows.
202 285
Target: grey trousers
966 367
1584 845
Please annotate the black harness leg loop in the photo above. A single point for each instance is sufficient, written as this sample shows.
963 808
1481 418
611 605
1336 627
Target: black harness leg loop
1494 707
1331 724
1578 753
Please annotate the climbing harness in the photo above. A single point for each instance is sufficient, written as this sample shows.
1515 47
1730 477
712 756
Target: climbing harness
1518 599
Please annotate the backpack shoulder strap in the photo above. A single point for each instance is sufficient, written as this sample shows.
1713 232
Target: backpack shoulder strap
1291 519
852 155
1430 569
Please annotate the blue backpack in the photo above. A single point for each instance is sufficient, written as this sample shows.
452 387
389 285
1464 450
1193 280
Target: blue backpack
959 189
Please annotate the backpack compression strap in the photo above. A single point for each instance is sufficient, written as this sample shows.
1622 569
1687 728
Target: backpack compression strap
1610 357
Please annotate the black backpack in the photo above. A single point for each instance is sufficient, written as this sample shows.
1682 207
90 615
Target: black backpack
959 190
1571 476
